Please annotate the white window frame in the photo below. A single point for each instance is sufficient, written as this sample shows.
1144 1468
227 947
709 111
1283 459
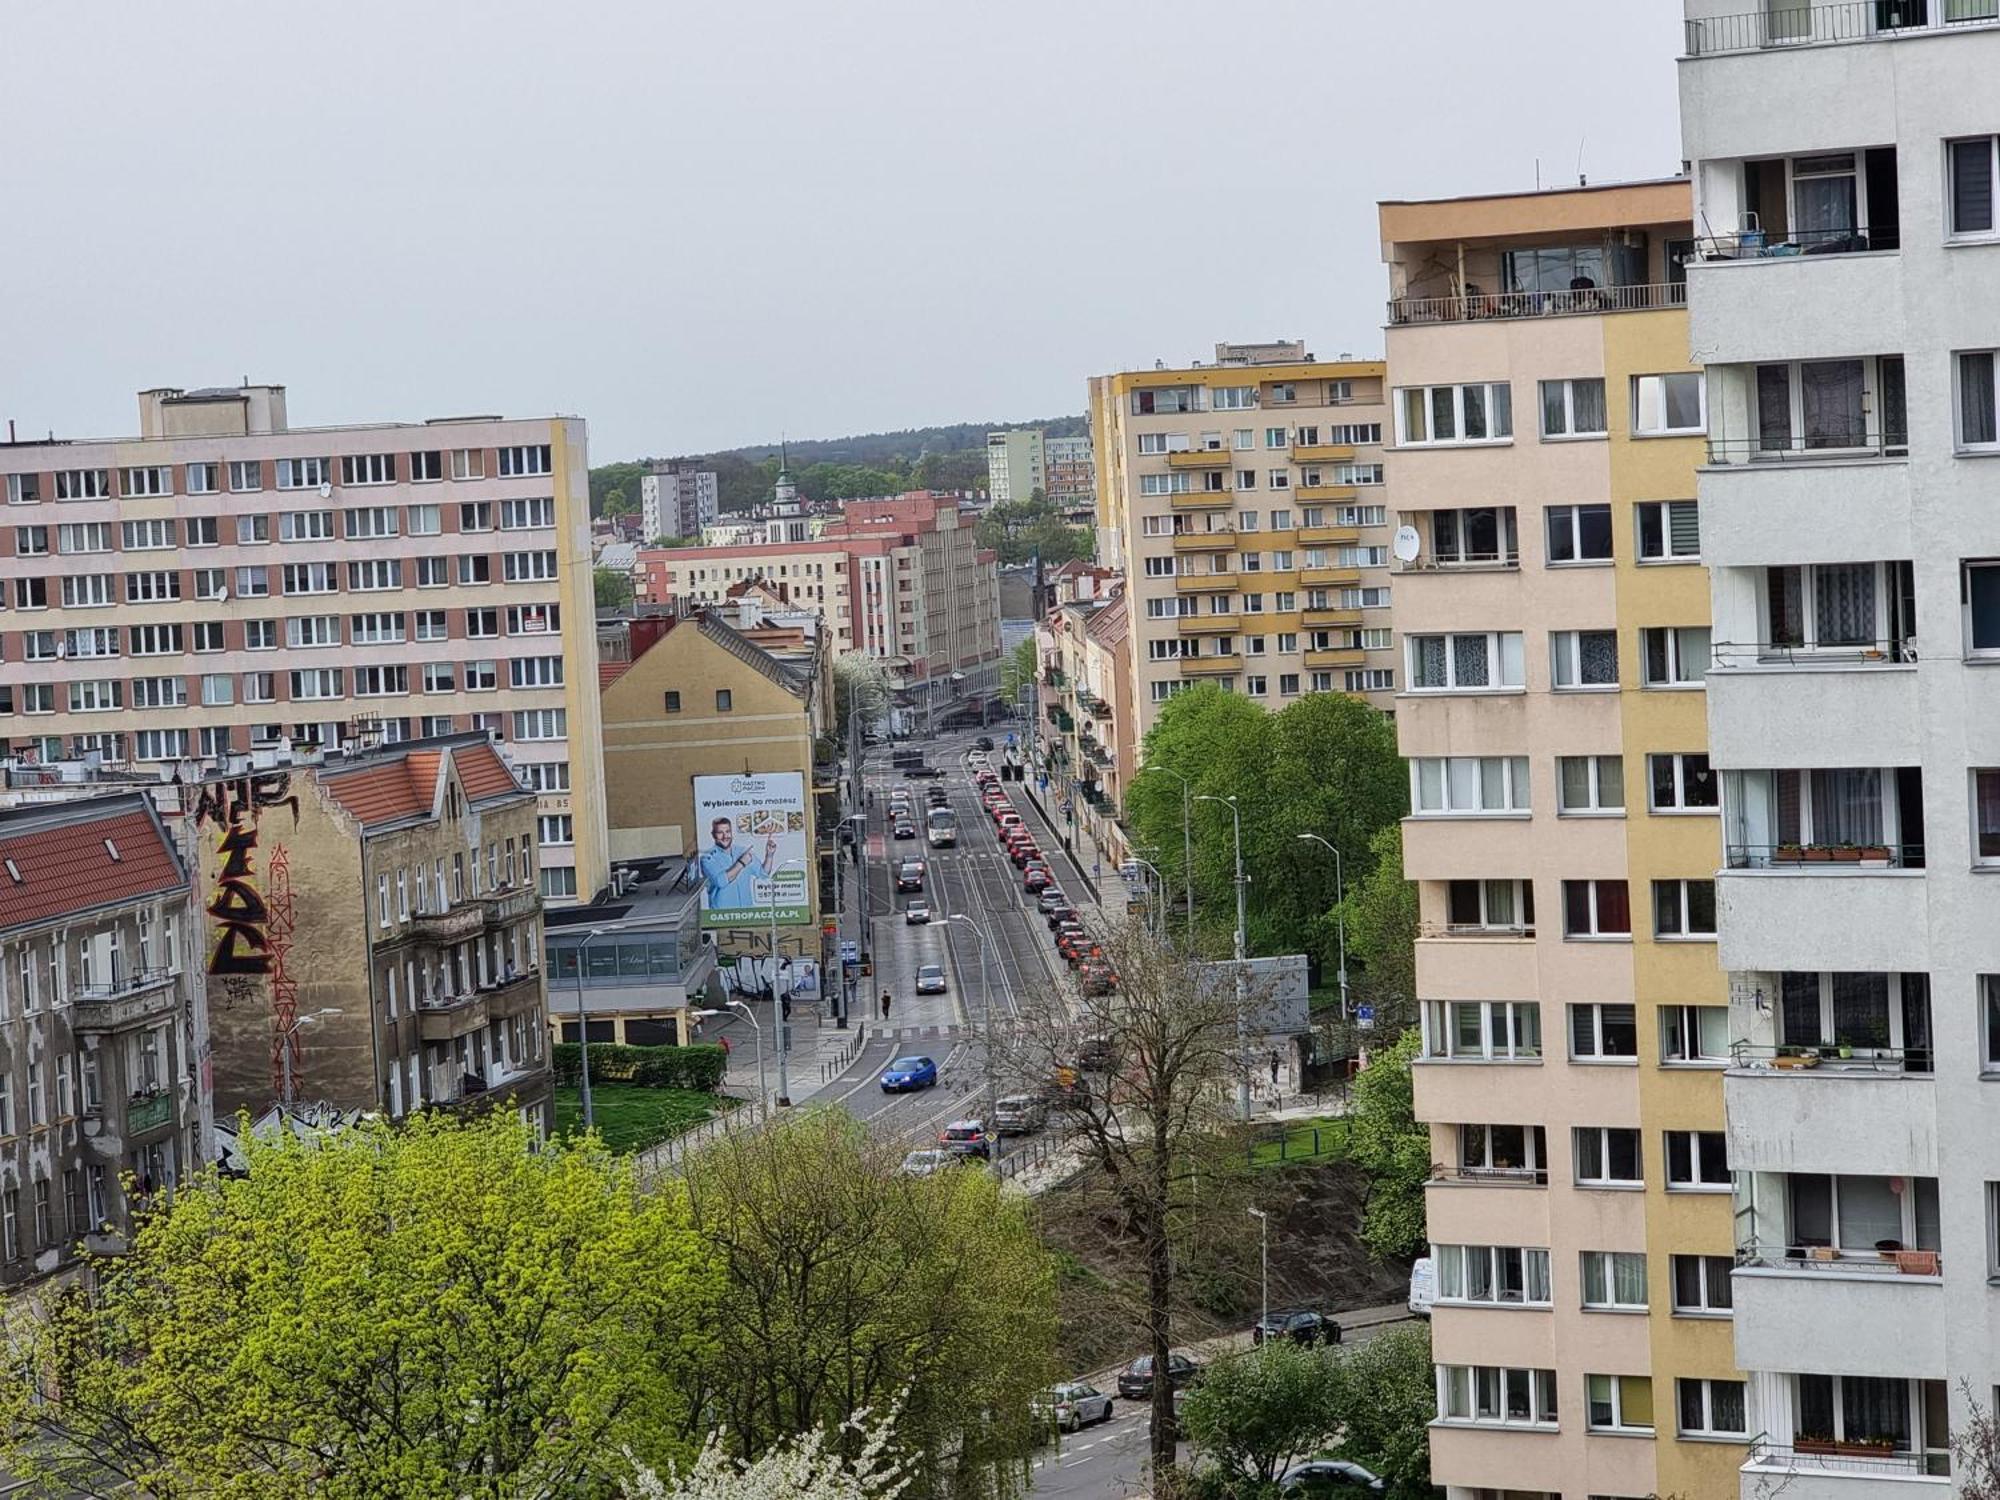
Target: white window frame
302 473
1510 1031
1680 806
1953 234
1534 1155
1707 1429
1484 1395
1683 905
1610 1390
1658 403
1601 1135
1597 1281
1520 894
1691 1142
1681 642
1711 1272
1569 432
1595 931
246 476
1422 400
1665 511
1504 651
1597 807
1435 778
1594 1011
1463 1270
1680 1025
1566 662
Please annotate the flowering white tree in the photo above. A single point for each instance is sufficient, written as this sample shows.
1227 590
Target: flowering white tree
809 1467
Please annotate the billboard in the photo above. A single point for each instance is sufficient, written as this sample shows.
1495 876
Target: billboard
1280 993
752 850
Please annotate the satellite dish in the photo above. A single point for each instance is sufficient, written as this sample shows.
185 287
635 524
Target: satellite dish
1407 544
325 488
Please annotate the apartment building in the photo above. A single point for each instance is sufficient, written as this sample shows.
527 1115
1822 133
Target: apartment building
1243 502
677 497
1553 616
1071 469
903 580
104 1100
1015 465
1086 693
225 582
1845 298
372 930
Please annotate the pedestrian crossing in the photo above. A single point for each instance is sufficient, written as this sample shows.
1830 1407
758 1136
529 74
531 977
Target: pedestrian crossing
924 1033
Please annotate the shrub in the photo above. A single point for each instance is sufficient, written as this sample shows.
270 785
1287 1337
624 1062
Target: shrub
698 1067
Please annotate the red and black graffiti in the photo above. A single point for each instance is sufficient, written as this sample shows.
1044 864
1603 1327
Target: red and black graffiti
242 942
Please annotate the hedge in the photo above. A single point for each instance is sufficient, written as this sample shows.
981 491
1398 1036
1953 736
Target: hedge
698 1067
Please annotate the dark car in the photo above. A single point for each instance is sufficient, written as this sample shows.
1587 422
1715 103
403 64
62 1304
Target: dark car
906 830
1061 916
1329 1476
923 773
1094 1056
1034 878
910 875
1299 1325
1097 979
1135 1381
984 742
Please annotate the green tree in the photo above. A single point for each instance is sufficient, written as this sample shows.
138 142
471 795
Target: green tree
1382 932
1257 1414
1388 1143
430 1310
1019 529
1018 670
860 685
850 1283
621 479
613 587
1389 1388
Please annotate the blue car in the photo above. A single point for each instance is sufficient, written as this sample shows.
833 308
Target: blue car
907 1073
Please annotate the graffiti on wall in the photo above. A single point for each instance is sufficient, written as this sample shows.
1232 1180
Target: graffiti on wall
251 909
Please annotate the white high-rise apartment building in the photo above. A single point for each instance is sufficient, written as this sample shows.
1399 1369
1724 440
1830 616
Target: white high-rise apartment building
226 583
1846 306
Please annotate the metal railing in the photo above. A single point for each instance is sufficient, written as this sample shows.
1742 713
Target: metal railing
1438 563
1759 244
1898 651
1811 25
1834 1057
1462 930
1807 1453
1803 448
1822 857
1538 1176
129 984
1477 306
1896 1260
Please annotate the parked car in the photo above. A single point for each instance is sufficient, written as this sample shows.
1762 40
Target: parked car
966 1138
1298 1325
1070 1408
1060 916
923 1163
1035 878
910 875
916 913
908 1073
1135 1381
1019 1114
1329 1476
1095 1055
930 979
1051 899
1097 979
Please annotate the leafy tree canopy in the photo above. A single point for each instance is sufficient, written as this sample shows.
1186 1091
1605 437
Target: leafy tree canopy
1386 1140
1259 1413
613 587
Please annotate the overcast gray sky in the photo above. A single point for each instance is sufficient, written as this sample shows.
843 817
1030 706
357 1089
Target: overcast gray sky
700 225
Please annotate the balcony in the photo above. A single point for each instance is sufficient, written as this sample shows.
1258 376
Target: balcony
143 995
1340 658
1314 578
1792 1110
149 1111
1794 1312
1328 536
455 924
1209 624
1201 458
1812 23
467 1092
1221 539
1310 492
1202 500
1325 619
1771 704
1211 666
1821 917
1770 302
1205 583
505 906
1824 1470
1479 307
1776 514
1467 963
1322 453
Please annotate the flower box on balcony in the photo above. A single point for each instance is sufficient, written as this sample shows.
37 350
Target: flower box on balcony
1914 1262
1845 1447
1798 1059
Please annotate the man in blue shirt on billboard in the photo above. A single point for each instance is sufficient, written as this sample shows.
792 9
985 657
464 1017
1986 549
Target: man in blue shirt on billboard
732 875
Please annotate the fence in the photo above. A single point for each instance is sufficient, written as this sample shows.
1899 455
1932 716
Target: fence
834 1066
1302 1142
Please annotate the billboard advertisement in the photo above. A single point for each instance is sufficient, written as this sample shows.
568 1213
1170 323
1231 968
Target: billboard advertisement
752 852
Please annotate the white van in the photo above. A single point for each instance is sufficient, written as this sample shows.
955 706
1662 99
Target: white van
1423 1287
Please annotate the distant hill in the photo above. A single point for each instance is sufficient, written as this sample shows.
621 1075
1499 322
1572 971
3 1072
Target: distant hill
843 468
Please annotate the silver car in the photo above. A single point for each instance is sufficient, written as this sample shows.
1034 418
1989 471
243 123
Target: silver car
1072 1407
1019 1114
923 1163
930 979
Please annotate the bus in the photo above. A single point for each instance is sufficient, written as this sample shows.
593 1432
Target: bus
941 828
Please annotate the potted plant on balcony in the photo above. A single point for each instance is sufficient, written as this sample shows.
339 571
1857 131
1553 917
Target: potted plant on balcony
1818 854
1874 854
1789 854
1796 1057
1846 854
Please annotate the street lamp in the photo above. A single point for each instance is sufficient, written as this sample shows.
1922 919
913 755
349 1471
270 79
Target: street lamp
986 1011
763 1089
778 1000
286 1036
1187 845
1242 966
1156 906
1339 910
1264 1229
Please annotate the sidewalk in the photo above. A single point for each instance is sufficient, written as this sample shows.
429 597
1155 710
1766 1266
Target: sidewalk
1101 880
819 1052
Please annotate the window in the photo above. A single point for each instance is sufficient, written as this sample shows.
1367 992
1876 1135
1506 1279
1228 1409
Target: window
31 541
1664 405
1669 531
146 536
528 515
375 574
1462 785
368 468
376 630
1848 608
1701 1285
260 635
319 682
532 458
482 676
1692 1034
153 587
1714 1408
24 489
1684 909
426 520
1675 655
433 572
304 631
309 578
1972 177
1696 1161
371 522
207 636
1596 908
1614 1279
1601 1031
301 473
1288 684
1681 782
1483 1030
1473 662
1367 680
528 567
83 484
87 590
1618 1403
535 671
1454 414
1573 408
246 476
1483 534
1825 406
440 677
545 775
1590 784
218 690
101 695
475 568
1607 1156
159 692
84 536
1278 479
160 744
381 682
546 723
1583 659
1506 906
1491 1395
1361 557
1505 1274
555 828
154 480
1508 1151
1579 533
31 593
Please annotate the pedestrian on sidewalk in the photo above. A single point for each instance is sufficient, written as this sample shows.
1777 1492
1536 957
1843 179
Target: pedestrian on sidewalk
885 1005
1274 1069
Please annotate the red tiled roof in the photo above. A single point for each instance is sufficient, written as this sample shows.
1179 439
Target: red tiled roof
483 773
65 867
609 672
407 786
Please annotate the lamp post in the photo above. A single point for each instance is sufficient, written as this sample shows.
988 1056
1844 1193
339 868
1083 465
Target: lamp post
1156 907
777 999
1264 1229
1242 966
1187 846
1339 910
583 1023
285 1038
763 1089
986 1013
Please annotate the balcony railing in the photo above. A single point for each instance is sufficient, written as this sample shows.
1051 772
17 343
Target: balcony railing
1435 563
1889 1258
1477 306
1808 448
1831 1059
1899 651
1523 1176
1809 25
149 1111
1756 244
1460 930
133 983
1874 1460
1822 858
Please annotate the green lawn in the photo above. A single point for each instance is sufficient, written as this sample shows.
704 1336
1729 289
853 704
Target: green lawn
1320 1139
632 1118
